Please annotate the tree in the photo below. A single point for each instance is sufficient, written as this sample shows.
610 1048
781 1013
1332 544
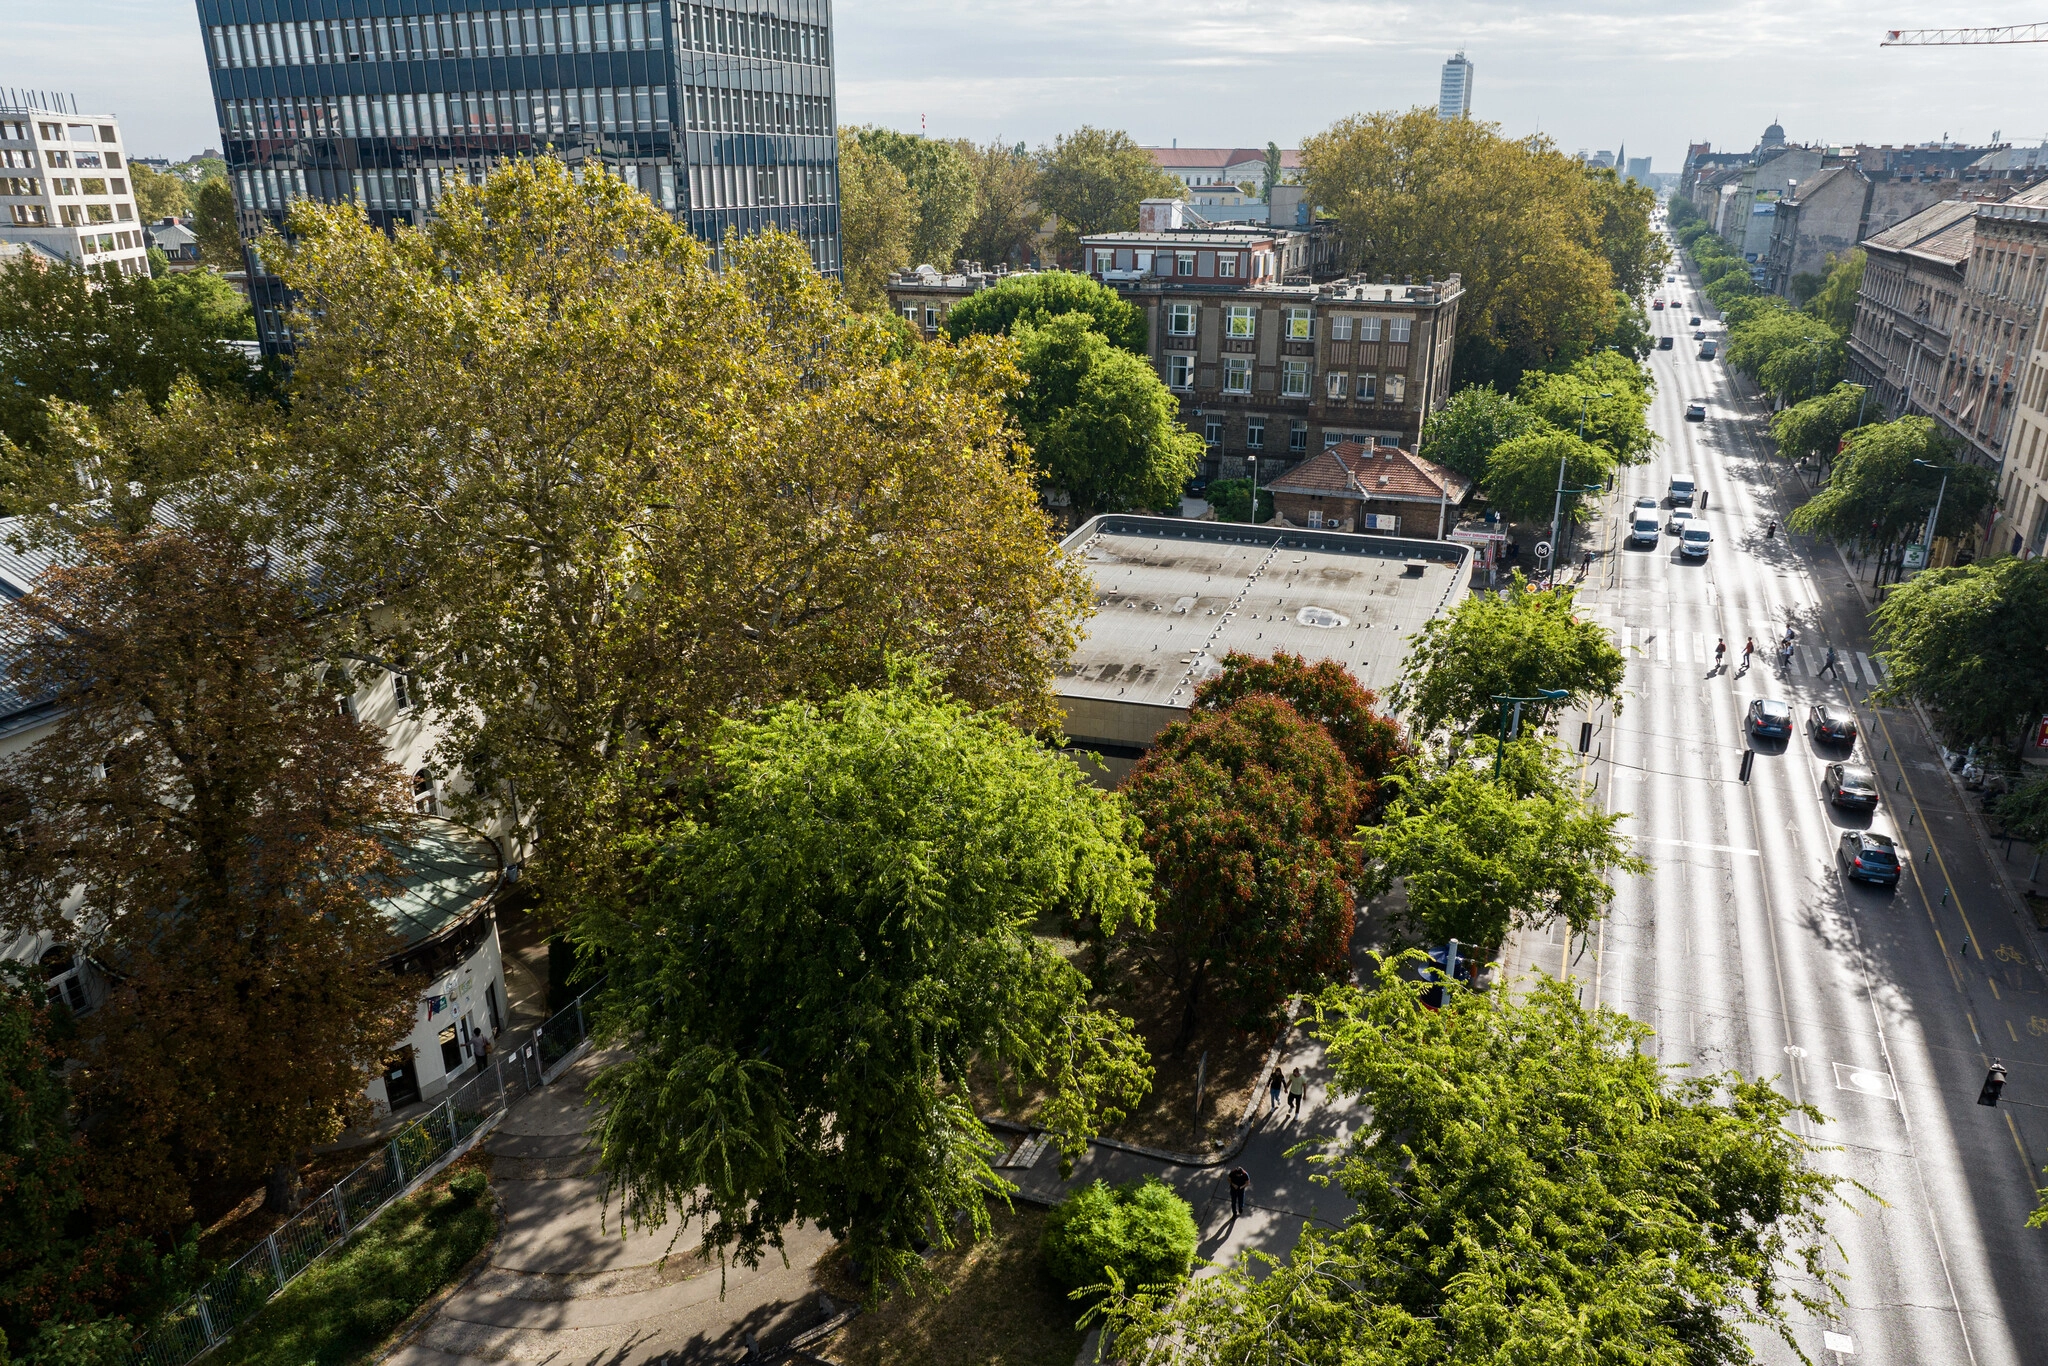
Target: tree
1103 425
1465 432
1834 301
941 181
1042 296
1487 647
1246 812
636 495
1326 693
1884 486
205 821
1516 220
1531 1185
1231 499
812 967
1630 334
1817 426
1478 860
1789 354
1093 179
1274 172
1680 211
878 216
1522 475
90 336
1006 218
1971 645
1141 1231
1612 412
214 223
1635 252
208 305
158 194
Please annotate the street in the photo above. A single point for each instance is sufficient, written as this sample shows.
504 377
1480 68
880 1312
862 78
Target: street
1745 950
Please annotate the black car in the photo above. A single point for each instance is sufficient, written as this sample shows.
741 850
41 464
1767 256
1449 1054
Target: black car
1866 857
1692 322
1831 725
1850 785
1198 486
1768 716
1664 342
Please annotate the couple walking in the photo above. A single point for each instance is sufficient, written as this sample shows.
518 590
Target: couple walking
1295 1087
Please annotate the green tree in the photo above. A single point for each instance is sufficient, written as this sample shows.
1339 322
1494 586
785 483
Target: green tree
1102 424
1232 500
1817 426
1006 216
1479 860
1613 413
1465 432
941 179
214 223
1531 1185
1630 334
1971 645
1635 252
159 194
1141 1232
1094 178
1487 647
208 305
1274 172
1326 693
1789 355
1246 813
1834 302
1522 475
1042 296
1882 489
812 967
878 217
1680 211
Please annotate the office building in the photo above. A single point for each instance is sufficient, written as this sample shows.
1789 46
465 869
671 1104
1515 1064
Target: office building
724 117
64 187
1454 101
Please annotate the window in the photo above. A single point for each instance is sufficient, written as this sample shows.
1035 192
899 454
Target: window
423 793
1397 385
1255 433
1180 371
60 160
1212 433
1226 265
1397 329
401 692
99 213
1368 329
1366 386
1294 379
63 185
92 184
910 313
1239 321
1336 387
1237 374
1105 260
1301 325
1297 437
1340 329
1184 263
931 316
1180 320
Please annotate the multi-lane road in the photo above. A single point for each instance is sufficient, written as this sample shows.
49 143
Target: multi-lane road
1744 949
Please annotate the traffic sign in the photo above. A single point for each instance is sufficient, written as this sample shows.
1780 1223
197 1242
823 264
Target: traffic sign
1542 548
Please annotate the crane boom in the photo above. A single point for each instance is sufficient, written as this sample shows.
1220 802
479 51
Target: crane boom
1951 37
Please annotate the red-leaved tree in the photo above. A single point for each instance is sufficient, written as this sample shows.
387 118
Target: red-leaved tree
1324 692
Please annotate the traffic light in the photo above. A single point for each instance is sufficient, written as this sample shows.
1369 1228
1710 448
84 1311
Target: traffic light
1994 1082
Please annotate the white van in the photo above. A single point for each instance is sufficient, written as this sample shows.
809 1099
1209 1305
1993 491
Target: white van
1695 540
1647 530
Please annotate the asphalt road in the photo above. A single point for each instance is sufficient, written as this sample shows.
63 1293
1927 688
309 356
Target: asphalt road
1744 949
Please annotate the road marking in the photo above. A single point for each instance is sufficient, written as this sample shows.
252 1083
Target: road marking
2014 1032
1865 1081
1694 844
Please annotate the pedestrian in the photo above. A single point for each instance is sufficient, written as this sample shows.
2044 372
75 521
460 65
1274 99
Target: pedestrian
1297 1091
1720 653
482 1051
1748 649
1833 664
1275 1084
1240 1184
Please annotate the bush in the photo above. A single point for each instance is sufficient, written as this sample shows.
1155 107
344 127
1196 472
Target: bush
1141 1230
1232 500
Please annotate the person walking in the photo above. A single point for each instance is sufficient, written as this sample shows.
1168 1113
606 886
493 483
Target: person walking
1240 1186
1720 653
1833 663
1748 649
483 1051
1275 1084
1297 1091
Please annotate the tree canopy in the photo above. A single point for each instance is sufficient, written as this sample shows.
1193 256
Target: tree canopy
1093 178
1466 431
814 963
1324 692
1613 408
1531 1185
1522 475
159 194
877 221
1517 646
942 188
1041 296
1878 497
1834 303
1817 426
1005 221
1971 645
1788 354
215 224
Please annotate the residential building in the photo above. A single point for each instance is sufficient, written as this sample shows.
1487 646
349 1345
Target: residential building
923 295
1382 490
1638 170
1214 177
1992 399
1454 94
64 188
174 239
725 117
1913 275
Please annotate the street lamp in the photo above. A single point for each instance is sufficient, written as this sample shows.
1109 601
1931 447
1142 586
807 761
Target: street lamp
1515 731
1253 461
1927 541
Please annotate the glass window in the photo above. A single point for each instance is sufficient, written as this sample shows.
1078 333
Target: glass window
1184 263
1397 329
1180 371
1297 437
1239 321
1368 329
1366 386
636 27
1180 320
1397 388
1237 374
1212 433
1255 433
1226 265
1301 324
1294 379
1336 386
1340 328
583 28
1105 261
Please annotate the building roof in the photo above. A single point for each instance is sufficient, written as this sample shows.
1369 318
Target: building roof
1236 239
1382 473
1915 233
1199 158
1814 183
447 872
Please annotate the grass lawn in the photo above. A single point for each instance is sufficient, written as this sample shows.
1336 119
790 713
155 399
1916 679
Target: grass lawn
1001 1310
342 1309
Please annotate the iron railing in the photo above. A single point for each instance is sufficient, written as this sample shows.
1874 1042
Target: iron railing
233 1295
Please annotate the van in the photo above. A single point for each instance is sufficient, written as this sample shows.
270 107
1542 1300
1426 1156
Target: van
1706 350
1681 493
1646 530
1695 540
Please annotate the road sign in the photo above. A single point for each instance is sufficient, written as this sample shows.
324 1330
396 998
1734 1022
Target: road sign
1916 557
1542 549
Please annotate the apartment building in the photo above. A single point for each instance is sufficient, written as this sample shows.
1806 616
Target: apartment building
2000 373
1906 310
1454 91
64 188
726 117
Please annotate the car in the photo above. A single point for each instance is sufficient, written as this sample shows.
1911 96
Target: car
1681 518
1696 411
1657 304
1198 486
1692 322
1670 277
1664 342
1850 785
1706 350
1869 857
1646 501
1831 725
1698 335
1644 530
1695 538
1769 716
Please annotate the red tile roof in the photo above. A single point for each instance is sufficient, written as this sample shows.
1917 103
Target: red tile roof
1383 473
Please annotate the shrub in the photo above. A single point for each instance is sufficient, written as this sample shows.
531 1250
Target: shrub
1141 1230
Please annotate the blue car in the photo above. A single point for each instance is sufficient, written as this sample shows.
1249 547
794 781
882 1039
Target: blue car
1867 857
1768 716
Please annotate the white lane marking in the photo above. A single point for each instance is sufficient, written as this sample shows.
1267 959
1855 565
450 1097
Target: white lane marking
1868 1081
1873 669
1695 844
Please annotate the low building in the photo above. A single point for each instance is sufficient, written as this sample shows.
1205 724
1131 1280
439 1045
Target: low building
174 239
1381 490
64 188
1217 175
1172 598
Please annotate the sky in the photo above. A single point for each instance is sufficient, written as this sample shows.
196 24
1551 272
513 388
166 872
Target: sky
1653 75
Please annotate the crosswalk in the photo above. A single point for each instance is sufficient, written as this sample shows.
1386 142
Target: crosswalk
1695 649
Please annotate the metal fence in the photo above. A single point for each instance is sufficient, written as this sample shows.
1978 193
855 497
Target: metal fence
416 1151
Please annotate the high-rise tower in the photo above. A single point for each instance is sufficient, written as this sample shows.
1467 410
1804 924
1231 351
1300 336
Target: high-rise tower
1454 101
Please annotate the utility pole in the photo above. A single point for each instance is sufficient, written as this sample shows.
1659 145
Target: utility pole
1508 732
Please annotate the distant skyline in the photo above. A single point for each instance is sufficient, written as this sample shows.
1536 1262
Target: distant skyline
1597 74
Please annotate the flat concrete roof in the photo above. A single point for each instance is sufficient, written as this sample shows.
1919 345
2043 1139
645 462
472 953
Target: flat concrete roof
1173 597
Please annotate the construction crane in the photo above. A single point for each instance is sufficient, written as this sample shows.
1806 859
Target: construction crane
1953 37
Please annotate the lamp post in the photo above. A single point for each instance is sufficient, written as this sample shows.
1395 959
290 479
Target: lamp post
1253 461
1927 541
1508 732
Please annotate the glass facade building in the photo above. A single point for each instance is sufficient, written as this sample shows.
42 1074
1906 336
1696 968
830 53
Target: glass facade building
723 116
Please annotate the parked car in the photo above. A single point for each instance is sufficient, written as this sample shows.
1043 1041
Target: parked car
1831 725
1866 856
1696 411
1850 785
1769 716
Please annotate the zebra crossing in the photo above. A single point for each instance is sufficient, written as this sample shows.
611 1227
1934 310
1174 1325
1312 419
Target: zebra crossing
1668 648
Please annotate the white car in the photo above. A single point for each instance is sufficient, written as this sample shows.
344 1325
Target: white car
1681 518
